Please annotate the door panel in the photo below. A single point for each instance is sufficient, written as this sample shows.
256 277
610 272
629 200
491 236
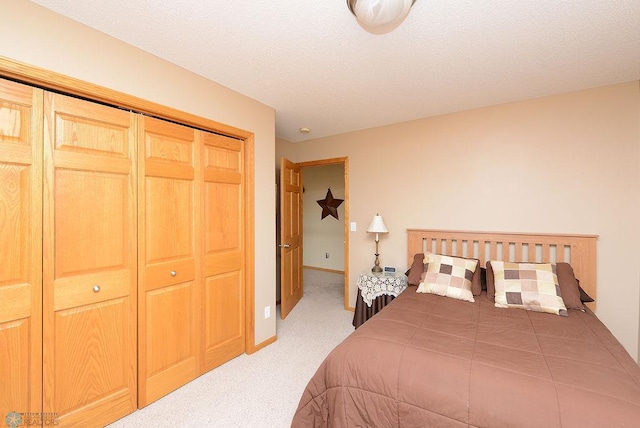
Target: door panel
223 274
291 286
76 337
90 269
169 222
170 351
169 259
20 248
224 330
166 329
105 226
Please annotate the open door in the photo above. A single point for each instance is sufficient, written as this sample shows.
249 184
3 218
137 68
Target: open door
291 287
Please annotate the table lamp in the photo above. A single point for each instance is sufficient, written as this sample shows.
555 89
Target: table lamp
377 226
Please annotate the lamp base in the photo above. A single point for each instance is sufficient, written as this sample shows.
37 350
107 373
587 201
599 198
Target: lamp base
376 268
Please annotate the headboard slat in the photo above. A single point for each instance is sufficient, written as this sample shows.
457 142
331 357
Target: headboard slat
518 251
546 252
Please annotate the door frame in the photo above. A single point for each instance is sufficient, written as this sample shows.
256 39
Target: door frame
50 80
345 162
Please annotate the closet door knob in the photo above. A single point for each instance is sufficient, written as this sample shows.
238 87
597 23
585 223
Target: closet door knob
96 288
174 273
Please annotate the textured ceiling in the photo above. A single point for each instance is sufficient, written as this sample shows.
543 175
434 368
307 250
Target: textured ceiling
312 62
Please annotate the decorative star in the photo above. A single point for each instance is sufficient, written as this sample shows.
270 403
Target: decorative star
330 205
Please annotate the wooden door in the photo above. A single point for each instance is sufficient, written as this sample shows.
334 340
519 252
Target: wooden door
168 258
291 286
223 274
20 249
89 271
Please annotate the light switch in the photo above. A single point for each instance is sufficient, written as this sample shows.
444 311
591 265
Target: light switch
353 226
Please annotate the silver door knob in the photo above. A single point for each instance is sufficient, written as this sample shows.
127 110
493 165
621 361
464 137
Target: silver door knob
174 273
285 246
96 288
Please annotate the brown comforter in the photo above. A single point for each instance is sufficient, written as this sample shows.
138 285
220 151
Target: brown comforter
431 361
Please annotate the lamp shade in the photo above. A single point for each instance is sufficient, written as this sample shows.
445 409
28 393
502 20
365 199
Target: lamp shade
377 225
380 13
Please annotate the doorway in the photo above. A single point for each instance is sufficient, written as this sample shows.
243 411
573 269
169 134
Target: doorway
335 252
324 230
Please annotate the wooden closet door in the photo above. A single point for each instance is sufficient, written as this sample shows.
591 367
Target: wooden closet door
90 267
20 249
169 258
223 273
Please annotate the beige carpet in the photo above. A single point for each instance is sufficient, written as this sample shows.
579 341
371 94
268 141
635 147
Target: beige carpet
263 389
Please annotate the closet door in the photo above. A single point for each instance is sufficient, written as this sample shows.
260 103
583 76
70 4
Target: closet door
224 299
20 249
90 267
169 258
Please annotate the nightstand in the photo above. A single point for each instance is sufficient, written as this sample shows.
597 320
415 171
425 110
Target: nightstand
375 291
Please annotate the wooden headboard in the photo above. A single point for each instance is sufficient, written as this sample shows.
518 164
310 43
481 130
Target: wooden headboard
579 250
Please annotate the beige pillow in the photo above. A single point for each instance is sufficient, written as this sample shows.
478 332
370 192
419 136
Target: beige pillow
418 267
448 276
531 286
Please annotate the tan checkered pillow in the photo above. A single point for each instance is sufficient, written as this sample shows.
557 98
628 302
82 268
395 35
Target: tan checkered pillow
448 276
531 286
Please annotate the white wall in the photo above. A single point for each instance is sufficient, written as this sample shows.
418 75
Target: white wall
566 164
36 36
323 236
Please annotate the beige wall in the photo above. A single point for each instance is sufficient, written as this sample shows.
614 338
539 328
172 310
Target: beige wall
37 36
322 236
638 257
565 164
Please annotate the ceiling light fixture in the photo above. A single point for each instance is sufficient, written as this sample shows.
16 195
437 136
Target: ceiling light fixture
380 16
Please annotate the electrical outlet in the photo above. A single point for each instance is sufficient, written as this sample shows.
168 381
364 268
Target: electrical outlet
326 255
267 312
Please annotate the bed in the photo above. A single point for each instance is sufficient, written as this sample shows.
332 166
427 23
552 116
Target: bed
432 360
